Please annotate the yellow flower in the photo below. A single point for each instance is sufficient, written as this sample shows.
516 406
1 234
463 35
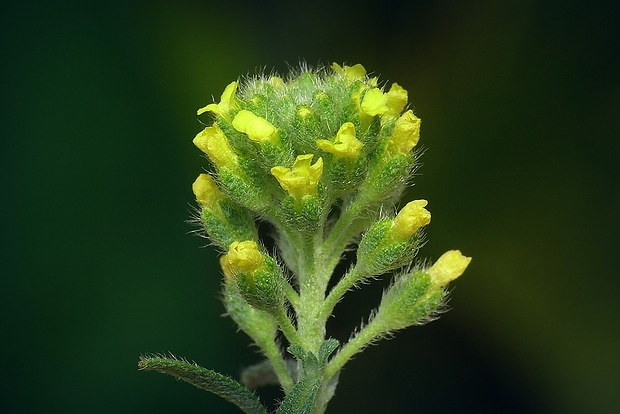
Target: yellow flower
351 73
345 145
242 258
257 129
396 100
374 102
302 179
214 143
406 134
448 267
410 218
207 192
226 102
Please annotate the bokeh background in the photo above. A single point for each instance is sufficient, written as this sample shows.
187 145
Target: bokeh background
520 104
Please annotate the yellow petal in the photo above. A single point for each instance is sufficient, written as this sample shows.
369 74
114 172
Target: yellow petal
345 145
448 267
243 257
396 100
351 73
302 178
411 218
214 143
206 191
257 129
406 134
374 102
226 101
226 268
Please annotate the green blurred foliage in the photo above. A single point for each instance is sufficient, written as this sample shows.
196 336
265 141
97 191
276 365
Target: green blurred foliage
517 99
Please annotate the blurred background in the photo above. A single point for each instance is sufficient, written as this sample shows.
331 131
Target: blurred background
519 102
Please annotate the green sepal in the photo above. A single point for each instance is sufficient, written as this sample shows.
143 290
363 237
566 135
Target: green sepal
373 237
344 174
263 289
237 224
257 324
387 180
306 215
207 380
377 255
409 301
243 191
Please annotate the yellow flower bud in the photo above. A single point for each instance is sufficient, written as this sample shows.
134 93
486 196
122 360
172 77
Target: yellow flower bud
396 100
374 102
406 134
226 101
302 179
242 257
214 143
257 129
345 145
351 73
207 192
410 218
448 267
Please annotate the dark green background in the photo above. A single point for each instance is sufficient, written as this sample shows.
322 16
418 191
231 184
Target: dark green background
520 104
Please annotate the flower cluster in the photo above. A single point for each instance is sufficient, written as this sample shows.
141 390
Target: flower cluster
323 156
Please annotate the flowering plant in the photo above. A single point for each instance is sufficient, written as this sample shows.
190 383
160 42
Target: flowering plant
323 157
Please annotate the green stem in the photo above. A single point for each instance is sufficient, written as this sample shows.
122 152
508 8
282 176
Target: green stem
338 291
349 225
287 328
312 288
291 295
273 354
355 345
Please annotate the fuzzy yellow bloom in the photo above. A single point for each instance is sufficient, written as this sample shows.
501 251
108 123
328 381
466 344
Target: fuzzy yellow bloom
374 102
302 179
207 192
226 101
448 267
214 143
242 257
351 73
410 218
257 129
406 134
345 145
396 100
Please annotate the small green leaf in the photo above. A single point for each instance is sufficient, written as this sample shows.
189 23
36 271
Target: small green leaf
301 398
326 350
206 379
